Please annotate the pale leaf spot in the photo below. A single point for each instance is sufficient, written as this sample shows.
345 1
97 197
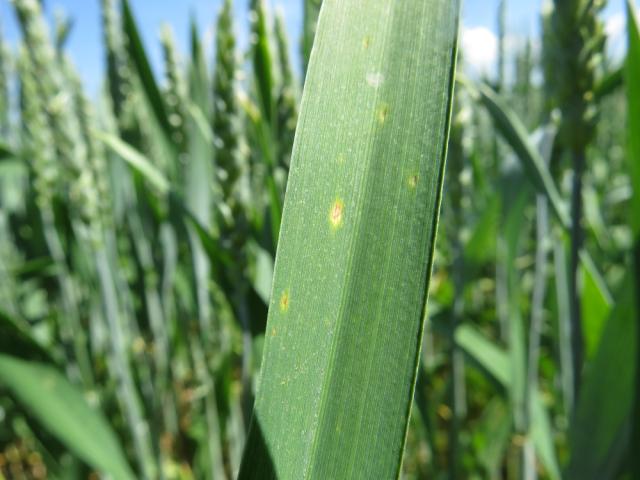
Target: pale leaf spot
375 79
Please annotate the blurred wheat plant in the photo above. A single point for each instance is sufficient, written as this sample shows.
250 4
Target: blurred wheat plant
143 333
573 53
5 69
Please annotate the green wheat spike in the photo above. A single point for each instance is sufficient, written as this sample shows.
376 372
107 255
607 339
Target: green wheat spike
96 157
38 136
5 68
229 158
53 91
287 94
572 55
175 90
118 72
37 142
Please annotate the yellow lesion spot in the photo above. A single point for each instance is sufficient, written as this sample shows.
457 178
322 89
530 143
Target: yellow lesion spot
341 158
336 213
412 181
366 41
284 305
273 332
382 113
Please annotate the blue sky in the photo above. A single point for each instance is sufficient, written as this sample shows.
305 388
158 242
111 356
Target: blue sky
478 23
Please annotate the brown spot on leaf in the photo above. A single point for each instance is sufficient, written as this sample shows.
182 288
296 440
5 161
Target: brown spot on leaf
413 181
382 113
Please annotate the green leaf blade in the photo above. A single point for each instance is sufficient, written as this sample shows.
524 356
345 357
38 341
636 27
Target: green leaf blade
633 101
139 59
56 403
345 320
136 160
607 395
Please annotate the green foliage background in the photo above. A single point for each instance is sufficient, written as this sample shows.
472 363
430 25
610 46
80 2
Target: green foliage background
138 232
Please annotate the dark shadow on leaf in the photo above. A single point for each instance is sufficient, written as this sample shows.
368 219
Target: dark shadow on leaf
257 463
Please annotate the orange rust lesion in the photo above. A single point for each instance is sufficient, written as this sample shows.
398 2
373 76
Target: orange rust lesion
412 181
284 304
336 213
382 113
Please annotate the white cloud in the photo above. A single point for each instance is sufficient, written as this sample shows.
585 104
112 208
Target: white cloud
616 24
479 50
615 28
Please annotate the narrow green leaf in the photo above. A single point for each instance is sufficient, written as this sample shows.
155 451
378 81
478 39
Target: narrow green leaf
496 362
633 116
516 136
200 122
261 270
310 21
63 411
563 333
609 84
287 95
514 227
492 435
136 160
542 433
481 245
6 152
356 245
198 77
197 189
633 156
514 132
139 59
16 340
262 57
217 256
198 200
144 167
606 396
596 306
489 357
262 132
